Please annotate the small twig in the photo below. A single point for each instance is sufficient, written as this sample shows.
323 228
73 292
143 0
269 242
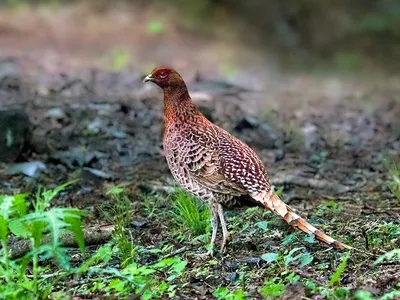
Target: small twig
173 253
131 236
45 276
93 236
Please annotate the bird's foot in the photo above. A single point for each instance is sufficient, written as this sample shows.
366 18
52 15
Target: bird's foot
205 255
210 251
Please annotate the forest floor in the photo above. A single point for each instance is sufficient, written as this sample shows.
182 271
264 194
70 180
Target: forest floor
324 140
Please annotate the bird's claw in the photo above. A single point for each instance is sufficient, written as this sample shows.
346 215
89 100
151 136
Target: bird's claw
206 255
210 253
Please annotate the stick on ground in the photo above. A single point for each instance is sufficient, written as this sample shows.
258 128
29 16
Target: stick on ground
93 236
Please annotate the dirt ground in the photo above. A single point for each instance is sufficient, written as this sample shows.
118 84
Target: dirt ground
323 137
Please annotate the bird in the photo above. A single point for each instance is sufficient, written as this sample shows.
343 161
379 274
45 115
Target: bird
212 164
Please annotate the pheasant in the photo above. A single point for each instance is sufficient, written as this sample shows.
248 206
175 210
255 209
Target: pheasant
209 162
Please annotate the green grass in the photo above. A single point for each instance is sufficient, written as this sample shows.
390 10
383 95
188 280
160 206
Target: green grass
393 181
43 223
125 267
150 281
191 214
224 293
272 288
393 255
329 209
119 213
383 235
139 281
335 279
113 268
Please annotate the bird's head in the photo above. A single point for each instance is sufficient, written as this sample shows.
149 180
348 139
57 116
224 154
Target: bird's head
165 77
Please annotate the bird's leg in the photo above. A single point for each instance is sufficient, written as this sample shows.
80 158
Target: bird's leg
225 233
214 226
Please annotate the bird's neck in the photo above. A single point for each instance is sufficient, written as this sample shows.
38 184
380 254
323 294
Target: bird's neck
178 106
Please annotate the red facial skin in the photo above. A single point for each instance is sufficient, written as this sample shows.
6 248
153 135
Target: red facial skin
165 77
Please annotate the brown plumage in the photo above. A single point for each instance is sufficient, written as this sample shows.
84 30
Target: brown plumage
214 165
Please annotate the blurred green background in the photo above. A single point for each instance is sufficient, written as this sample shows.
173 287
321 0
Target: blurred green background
341 34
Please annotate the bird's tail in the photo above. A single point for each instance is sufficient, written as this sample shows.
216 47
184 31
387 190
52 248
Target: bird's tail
271 201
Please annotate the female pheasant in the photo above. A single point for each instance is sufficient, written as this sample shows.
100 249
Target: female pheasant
214 165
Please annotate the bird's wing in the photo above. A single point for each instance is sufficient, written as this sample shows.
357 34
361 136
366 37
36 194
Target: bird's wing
241 165
224 164
204 162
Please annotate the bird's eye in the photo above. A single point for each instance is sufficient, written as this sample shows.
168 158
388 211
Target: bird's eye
163 74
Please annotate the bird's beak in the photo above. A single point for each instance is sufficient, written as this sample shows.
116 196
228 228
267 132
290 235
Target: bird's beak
148 78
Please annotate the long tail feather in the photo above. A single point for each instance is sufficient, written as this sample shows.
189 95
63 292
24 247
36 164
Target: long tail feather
271 201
